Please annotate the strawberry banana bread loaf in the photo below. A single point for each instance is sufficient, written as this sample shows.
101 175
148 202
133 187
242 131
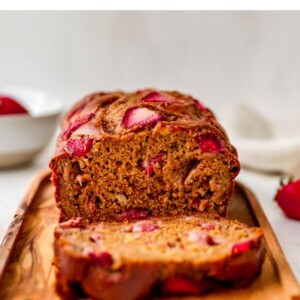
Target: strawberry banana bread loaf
124 155
168 256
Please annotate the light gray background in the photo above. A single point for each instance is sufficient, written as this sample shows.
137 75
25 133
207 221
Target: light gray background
223 58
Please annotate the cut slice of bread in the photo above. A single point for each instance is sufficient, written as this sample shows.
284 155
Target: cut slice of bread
158 152
166 255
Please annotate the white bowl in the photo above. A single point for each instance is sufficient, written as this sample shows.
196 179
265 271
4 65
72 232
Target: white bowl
24 136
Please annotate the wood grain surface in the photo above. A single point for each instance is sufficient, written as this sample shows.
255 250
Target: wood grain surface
26 253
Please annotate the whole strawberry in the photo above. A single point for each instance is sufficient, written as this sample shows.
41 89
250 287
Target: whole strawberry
288 198
9 106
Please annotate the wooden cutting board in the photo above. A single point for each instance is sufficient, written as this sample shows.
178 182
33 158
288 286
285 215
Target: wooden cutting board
26 254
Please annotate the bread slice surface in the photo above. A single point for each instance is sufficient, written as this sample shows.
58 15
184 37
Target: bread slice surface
169 255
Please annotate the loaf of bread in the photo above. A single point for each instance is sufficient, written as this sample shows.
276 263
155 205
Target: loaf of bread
124 155
168 256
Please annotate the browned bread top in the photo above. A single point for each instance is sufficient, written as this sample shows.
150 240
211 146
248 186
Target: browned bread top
118 113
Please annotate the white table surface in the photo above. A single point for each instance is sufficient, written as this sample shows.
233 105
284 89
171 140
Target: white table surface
13 184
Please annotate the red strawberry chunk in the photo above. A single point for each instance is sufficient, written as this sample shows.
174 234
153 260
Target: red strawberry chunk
134 214
240 248
158 97
200 237
210 143
149 169
148 165
288 199
9 106
141 116
145 226
79 147
179 285
103 259
200 106
78 123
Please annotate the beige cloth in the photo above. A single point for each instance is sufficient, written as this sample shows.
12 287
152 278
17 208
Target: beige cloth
264 143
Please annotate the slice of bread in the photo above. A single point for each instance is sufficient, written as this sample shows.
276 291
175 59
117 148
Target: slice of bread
166 255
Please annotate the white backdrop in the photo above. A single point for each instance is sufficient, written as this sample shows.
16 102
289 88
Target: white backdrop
221 57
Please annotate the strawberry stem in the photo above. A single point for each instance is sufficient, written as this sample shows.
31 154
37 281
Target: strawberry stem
285 180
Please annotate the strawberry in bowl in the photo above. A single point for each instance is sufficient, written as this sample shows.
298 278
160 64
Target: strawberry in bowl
10 106
28 119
